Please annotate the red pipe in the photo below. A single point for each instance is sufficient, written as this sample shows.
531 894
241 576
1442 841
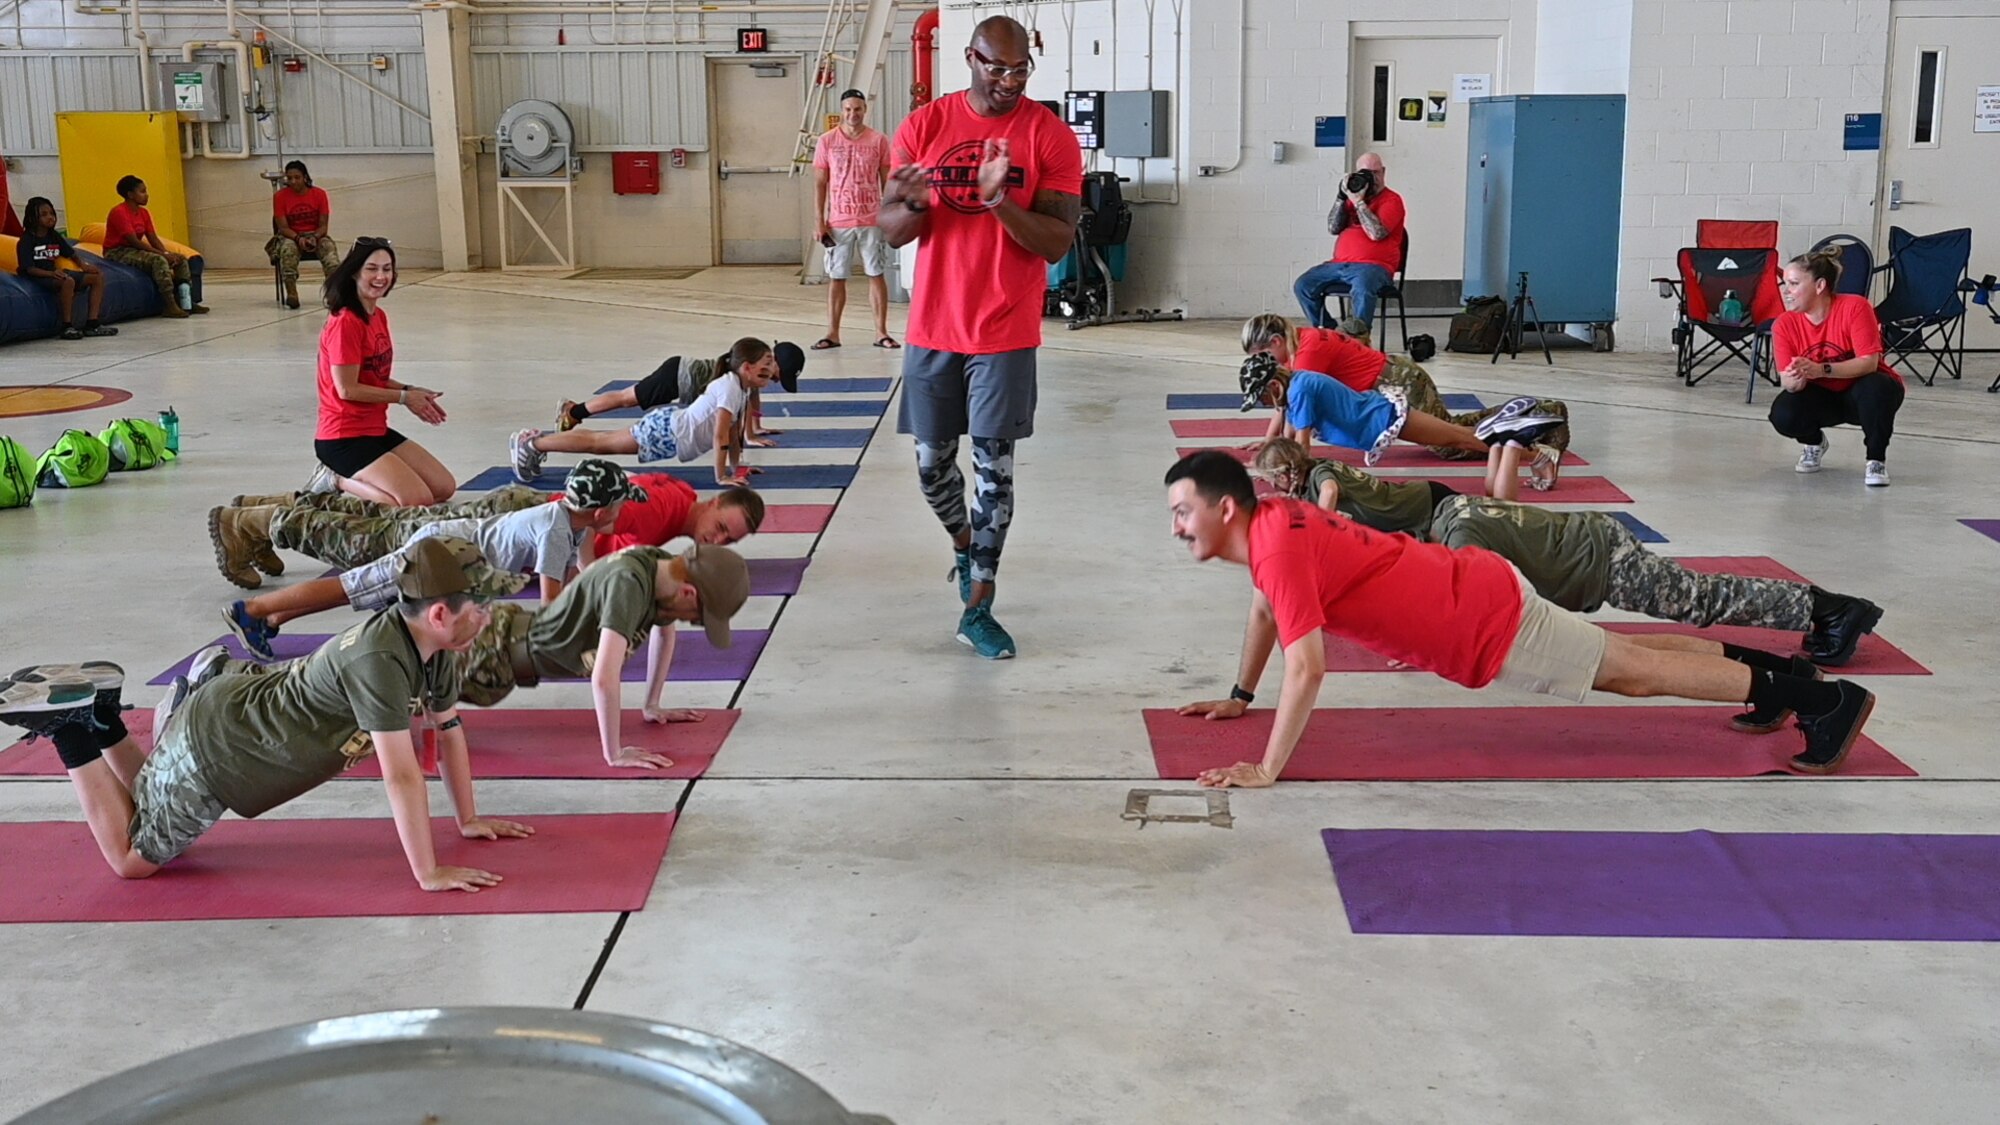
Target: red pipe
923 45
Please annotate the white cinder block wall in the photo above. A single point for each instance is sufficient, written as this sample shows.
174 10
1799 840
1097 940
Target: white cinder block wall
1583 46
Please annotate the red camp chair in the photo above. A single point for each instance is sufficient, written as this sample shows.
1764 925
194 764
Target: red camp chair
1707 278
1736 234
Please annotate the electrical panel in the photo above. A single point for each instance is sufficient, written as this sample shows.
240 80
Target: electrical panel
1083 112
1137 123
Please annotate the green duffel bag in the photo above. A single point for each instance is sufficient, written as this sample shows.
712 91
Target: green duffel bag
135 443
76 460
17 475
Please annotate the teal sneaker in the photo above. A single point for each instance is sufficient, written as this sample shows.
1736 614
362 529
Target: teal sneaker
961 569
977 628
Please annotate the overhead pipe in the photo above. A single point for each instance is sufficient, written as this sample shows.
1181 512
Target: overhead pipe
241 50
923 46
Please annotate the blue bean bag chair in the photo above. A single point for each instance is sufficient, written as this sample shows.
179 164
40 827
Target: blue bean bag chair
27 311
128 292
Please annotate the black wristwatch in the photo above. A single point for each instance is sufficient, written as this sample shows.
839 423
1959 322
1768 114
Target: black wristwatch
1826 370
1236 692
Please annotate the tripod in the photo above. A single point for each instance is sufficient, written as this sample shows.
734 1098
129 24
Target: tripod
1518 315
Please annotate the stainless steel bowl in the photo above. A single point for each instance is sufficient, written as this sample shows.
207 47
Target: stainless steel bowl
439 1066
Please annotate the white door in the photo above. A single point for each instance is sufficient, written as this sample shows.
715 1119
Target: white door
1936 161
1424 158
760 207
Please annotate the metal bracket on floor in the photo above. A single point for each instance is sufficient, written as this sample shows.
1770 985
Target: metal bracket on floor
1138 800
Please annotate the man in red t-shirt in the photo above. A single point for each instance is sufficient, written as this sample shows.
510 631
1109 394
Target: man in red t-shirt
991 185
1367 230
1467 615
670 511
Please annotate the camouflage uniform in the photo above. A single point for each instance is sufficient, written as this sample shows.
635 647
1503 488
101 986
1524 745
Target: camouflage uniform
284 254
154 265
500 501
1657 586
1405 375
172 803
343 540
490 665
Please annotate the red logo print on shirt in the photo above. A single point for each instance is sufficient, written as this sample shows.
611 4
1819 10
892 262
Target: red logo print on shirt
1826 351
955 177
377 366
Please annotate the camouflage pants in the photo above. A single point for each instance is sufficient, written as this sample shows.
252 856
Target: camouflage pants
1407 376
500 501
284 254
489 665
1657 586
992 511
154 265
171 802
340 539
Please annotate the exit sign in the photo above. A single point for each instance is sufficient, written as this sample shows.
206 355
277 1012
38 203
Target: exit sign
753 40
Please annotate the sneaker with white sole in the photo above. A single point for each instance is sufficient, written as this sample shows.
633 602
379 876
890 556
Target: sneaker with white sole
977 629
1516 422
1877 475
1810 457
209 663
163 711
527 460
43 707
323 479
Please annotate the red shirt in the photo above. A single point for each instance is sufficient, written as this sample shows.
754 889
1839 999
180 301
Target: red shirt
1352 244
1850 329
304 212
1450 612
977 290
1345 358
345 341
123 222
661 516
854 169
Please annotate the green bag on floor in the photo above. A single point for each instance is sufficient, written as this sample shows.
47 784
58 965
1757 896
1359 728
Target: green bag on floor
76 460
135 444
17 478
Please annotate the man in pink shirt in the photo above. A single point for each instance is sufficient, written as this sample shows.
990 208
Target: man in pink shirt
849 165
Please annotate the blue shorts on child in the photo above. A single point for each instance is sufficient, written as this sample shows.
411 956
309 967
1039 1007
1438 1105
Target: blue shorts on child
654 431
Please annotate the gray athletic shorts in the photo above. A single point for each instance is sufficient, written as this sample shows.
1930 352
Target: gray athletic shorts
850 243
372 586
171 802
947 395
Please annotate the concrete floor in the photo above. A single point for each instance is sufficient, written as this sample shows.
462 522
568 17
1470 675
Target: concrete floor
907 875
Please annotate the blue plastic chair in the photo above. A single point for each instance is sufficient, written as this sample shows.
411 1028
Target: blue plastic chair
1857 262
1924 311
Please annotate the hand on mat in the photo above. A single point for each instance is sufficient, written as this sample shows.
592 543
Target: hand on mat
468 879
673 715
761 441
1216 708
634 758
1244 775
487 828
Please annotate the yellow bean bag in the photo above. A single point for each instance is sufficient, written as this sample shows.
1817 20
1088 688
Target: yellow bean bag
10 255
92 239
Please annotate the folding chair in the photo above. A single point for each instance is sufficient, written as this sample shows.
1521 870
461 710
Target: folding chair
1857 262
1736 234
1924 310
1391 292
1707 276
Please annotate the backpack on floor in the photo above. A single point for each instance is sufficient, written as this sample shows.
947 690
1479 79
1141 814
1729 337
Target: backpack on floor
76 460
1478 328
17 475
135 444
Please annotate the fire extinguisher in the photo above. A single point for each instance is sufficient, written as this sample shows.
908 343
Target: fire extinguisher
825 75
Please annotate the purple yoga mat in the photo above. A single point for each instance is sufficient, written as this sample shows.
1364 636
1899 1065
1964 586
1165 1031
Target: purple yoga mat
694 659
1847 887
768 578
1989 528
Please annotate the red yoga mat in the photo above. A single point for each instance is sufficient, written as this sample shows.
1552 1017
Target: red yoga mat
504 744
1873 657
809 518
51 871
1400 455
1503 743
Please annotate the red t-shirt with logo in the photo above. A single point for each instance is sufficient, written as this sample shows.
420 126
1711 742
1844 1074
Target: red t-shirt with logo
123 222
304 212
1450 612
977 290
348 340
1345 358
1352 244
1850 329
854 169
661 516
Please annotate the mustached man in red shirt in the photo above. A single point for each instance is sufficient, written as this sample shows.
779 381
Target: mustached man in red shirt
1467 615
991 184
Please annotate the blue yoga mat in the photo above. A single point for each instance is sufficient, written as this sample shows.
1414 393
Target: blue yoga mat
824 437
694 658
1644 533
1842 887
806 387
1452 402
773 478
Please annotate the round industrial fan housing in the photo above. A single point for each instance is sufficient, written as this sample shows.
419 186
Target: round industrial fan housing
535 139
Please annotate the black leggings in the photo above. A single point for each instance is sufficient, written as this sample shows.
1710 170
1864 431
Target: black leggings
1870 403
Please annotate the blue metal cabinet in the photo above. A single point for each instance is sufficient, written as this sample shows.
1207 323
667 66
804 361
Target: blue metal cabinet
1546 180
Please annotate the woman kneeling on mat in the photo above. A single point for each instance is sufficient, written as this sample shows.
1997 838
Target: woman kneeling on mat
1828 352
357 449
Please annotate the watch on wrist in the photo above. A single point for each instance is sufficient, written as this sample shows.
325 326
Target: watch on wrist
1826 370
1236 692
915 206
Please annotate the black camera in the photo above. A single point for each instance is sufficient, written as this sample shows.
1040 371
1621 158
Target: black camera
1357 183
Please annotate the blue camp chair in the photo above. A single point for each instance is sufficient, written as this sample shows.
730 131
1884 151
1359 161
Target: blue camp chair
1924 311
1857 262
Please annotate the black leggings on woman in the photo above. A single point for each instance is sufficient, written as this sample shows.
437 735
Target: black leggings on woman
1870 403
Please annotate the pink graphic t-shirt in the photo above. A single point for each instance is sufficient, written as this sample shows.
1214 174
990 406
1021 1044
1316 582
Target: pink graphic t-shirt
854 167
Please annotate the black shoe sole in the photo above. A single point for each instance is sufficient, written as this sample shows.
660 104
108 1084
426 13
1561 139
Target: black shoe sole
1838 657
1853 733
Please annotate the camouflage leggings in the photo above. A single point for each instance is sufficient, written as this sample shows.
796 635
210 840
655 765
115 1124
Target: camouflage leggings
284 254
1657 586
1404 374
171 802
489 669
155 265
500 501
992 510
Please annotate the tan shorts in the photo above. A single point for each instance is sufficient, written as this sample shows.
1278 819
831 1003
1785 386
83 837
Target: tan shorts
1555 652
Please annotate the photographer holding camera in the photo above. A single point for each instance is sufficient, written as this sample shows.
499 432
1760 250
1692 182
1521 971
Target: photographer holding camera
1367 225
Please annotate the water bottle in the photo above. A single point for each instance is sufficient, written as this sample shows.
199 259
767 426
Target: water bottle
1731 310
171 422
184 295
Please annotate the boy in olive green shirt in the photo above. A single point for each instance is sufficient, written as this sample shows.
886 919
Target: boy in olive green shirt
247 744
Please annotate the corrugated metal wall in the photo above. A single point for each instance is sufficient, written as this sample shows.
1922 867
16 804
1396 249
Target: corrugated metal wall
34 88
616 97
319 111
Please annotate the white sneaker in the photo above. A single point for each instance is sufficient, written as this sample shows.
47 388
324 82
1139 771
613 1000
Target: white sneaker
163 712
1810 457
1878 475
323 479
527 460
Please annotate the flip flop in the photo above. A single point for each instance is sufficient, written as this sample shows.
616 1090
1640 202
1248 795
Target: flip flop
887 342
825 343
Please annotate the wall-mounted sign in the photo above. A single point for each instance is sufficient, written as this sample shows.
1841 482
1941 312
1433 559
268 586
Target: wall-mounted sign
1329 132
752 40
1465 87
189 91
1986 110
1863 132
1410 109
1436 115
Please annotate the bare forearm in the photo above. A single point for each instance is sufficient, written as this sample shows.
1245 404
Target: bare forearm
410 802
1336 219
659 658
900 225
604 696
1260 632
1295 706
455 766
1047 236
1371 223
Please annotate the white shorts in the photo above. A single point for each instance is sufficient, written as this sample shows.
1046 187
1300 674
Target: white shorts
847 242
1555 652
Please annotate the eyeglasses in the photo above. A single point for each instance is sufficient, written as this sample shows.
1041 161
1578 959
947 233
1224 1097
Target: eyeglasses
997 71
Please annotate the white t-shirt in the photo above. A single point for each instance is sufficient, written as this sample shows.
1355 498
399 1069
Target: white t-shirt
694 424
535 540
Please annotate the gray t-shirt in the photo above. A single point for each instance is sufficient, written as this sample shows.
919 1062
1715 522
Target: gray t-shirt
536 540
694 424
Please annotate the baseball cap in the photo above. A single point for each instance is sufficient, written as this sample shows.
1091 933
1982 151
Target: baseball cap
791 361
597 483
722 579
1257 373
435 567
852 93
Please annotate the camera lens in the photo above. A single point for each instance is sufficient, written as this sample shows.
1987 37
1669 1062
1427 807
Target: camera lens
1359 182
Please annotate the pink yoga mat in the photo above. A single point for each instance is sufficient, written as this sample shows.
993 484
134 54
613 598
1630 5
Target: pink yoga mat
51 871
1402 454
1874 656
504 743
1507 743
796 518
